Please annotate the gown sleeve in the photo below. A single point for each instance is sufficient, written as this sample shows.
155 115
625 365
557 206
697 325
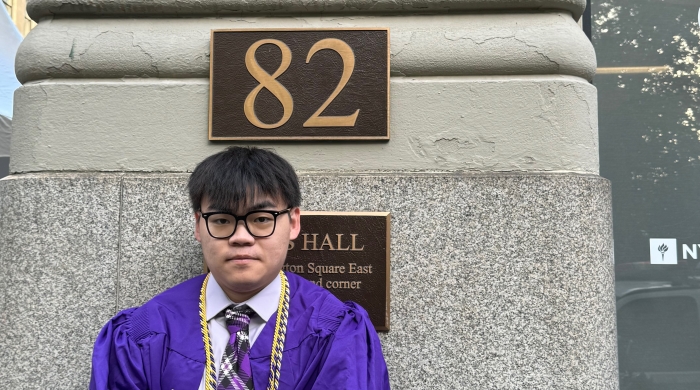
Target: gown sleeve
117 360
354 359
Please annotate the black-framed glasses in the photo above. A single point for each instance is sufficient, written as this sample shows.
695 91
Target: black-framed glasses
259 223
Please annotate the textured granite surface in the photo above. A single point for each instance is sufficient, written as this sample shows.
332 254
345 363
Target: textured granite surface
498 281
157 238
502 282
59 244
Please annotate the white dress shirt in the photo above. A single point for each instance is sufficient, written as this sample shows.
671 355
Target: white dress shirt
263 303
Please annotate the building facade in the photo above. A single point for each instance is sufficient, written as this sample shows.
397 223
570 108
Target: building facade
501 225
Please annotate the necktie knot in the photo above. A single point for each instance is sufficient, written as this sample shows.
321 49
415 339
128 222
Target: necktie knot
238 316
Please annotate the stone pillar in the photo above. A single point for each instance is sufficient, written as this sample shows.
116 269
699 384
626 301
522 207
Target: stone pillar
501 261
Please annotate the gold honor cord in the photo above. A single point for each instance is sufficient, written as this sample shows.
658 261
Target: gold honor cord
209 369
277 341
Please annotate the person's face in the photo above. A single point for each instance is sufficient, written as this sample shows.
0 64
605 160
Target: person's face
243 264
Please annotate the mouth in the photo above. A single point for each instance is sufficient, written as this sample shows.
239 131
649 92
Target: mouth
241 259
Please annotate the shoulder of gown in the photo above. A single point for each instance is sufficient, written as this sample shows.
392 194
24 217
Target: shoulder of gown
350 353
129 349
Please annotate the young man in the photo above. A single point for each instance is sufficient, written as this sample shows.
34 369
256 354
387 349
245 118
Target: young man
246 325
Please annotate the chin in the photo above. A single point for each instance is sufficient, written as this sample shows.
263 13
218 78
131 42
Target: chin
248 282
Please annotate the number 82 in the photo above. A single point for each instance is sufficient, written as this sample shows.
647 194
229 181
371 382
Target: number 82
269 81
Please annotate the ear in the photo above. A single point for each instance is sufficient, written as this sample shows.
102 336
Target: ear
294 223
197 217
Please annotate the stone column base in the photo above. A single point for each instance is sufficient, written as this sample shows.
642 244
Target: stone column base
498 281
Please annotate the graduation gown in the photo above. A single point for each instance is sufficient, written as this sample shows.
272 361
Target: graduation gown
329 344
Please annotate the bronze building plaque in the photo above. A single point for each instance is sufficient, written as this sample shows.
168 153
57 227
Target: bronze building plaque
294 84
348 254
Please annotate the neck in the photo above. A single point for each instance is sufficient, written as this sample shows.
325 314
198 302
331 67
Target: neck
239 297
238 292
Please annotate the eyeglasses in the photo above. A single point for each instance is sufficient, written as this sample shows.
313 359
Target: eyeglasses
259 223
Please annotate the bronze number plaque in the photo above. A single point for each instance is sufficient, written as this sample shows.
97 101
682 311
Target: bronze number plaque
294 84
348 254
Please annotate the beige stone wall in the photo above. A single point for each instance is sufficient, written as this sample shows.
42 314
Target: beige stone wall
478 92
18 12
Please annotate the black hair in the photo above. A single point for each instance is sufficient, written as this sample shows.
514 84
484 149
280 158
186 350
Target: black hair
234 178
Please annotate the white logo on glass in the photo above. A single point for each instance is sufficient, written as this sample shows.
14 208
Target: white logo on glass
663 251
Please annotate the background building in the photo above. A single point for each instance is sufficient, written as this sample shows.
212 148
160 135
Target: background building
10 38
18 12
648 79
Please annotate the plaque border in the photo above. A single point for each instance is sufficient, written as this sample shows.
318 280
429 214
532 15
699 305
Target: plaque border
304 138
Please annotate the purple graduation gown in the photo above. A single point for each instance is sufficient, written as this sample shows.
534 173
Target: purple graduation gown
329 344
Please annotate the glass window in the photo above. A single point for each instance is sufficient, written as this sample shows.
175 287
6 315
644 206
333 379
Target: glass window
649 104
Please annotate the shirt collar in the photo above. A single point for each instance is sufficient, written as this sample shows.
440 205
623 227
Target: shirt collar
264 303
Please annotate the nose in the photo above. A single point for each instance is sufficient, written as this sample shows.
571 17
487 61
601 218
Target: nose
241 236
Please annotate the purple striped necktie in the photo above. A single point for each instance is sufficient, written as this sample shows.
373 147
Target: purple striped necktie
235 372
